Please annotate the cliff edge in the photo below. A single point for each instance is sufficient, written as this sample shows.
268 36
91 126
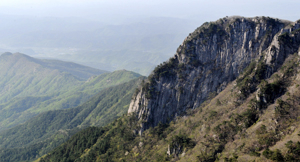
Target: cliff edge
207 60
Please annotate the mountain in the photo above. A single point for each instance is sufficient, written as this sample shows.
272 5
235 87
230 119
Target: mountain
110 47
23 75
30 86
47 130
230 93
208 59
113 59
18 110
80 71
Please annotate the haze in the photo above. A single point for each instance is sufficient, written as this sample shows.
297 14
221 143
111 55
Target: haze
207 10
100 32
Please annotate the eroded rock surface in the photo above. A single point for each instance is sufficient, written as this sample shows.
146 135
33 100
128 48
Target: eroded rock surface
208 59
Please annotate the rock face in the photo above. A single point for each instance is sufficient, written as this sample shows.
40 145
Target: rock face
208 59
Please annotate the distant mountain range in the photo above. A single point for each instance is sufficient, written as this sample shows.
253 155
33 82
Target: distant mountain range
143 43
22 75
230 93
40 103
46 131
29 86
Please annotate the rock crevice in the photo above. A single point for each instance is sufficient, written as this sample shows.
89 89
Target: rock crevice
208 59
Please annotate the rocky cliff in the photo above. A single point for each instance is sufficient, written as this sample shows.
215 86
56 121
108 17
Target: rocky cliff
208 59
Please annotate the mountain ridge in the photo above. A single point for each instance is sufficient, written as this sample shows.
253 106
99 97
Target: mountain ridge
208 59
253 117
40 134
83 72
230 93
20 109
30 86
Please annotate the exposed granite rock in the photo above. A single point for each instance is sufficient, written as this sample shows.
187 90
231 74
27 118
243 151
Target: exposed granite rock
208 59
285 42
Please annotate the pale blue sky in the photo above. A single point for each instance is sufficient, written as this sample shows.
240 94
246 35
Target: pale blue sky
28 31
206 10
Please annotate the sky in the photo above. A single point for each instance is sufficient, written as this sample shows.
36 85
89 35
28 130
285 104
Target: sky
201 10
25 23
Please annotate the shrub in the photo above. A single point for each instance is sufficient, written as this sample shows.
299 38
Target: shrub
232 159
245 86
261 130
282 109
248 70
159 130
254 153
165 69
273 155
267 139
226 131
293 153
250 117
284 38
179 142
212 114
260 71
271 91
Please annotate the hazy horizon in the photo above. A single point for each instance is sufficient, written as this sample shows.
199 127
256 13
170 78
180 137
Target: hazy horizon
98 32
104 9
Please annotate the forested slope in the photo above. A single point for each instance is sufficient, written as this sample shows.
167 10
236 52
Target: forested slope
20 109
230 93
42 133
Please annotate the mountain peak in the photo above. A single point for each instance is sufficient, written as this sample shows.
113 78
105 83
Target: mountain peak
6 54
207 61
16 56
231 90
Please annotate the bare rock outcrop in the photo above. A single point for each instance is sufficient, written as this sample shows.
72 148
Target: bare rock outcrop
208 59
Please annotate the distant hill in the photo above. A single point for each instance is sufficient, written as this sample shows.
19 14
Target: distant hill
20 109
80 71
22 75
29 86
42 133
102 46
230 93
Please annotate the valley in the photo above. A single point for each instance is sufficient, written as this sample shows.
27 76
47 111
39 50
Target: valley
230 93
32 86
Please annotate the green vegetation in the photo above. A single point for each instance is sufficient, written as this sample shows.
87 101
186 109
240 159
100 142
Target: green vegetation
128 146
244 122
23 76
293 153
82 141
260 71
218 130
296 31
246 82
80 71
57 90
165 69
284 38
46 131
19 110
28 83
110 144
270 21
179 143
